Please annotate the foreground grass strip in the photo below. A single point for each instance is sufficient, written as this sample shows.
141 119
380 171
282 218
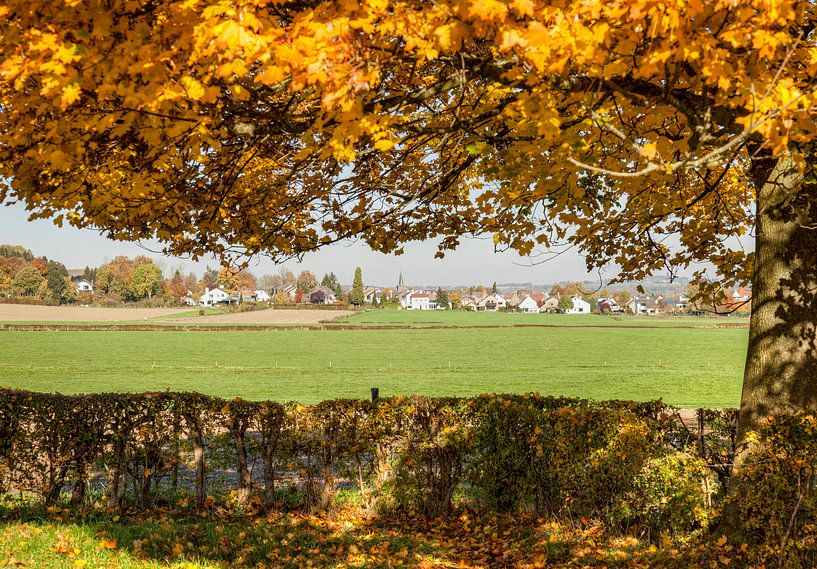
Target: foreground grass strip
219 538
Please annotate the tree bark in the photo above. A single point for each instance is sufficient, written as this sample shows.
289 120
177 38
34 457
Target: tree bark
198 454
781 361
239 431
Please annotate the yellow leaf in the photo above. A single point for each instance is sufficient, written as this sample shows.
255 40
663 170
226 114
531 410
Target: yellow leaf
523 7
80 563
108 544
195 90
649 150
70 95
383 144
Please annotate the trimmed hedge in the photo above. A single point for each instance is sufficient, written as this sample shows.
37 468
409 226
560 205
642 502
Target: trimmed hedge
616 460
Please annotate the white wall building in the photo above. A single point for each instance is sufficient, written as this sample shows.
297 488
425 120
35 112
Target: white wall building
421 301
528 305
580 306
492 303
213 296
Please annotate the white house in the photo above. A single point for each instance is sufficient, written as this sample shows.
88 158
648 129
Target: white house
84 286
550 305
644 305
262 296
290 291
214 296
322 295
609 304
371 293
421 301
580 306
492 302
189 300
528 305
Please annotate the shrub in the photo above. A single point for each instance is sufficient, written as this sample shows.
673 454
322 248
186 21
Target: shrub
510 453
773 494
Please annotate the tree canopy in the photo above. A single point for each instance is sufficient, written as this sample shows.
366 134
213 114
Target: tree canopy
274 127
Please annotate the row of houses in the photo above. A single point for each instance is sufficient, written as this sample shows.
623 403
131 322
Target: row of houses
494 302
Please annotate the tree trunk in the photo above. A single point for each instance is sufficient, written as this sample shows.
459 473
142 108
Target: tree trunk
198 454
239 432
781 362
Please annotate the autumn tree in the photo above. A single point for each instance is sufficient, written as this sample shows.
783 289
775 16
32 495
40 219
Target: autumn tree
615 128
286 277
565 303
357 294
146 281
113 278
307 281
27 282
41 264
245 280
175 286
268 282
11 251
209 278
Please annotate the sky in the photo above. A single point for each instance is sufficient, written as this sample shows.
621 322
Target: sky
473 263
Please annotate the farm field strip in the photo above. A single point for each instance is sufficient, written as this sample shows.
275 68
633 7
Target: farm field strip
685 367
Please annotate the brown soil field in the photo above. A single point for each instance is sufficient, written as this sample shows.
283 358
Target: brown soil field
266 317
25 313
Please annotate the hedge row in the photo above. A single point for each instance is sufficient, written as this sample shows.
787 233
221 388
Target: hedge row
619 460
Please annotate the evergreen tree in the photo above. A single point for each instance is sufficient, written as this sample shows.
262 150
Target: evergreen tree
356 297
55 274
89 275
493 288
442 299
331 282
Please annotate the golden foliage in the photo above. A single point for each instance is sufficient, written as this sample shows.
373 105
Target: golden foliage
247 127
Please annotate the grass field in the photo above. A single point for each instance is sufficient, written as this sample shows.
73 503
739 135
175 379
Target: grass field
687 367
431 318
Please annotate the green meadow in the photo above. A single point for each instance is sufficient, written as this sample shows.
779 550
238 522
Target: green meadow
433 318
689 366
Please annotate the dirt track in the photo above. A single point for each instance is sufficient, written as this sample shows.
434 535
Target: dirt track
53 314
24 313
266 317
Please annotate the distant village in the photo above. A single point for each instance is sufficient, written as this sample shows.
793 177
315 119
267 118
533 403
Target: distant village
25 278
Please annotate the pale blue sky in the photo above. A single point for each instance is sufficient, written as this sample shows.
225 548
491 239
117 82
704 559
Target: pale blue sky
473 263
